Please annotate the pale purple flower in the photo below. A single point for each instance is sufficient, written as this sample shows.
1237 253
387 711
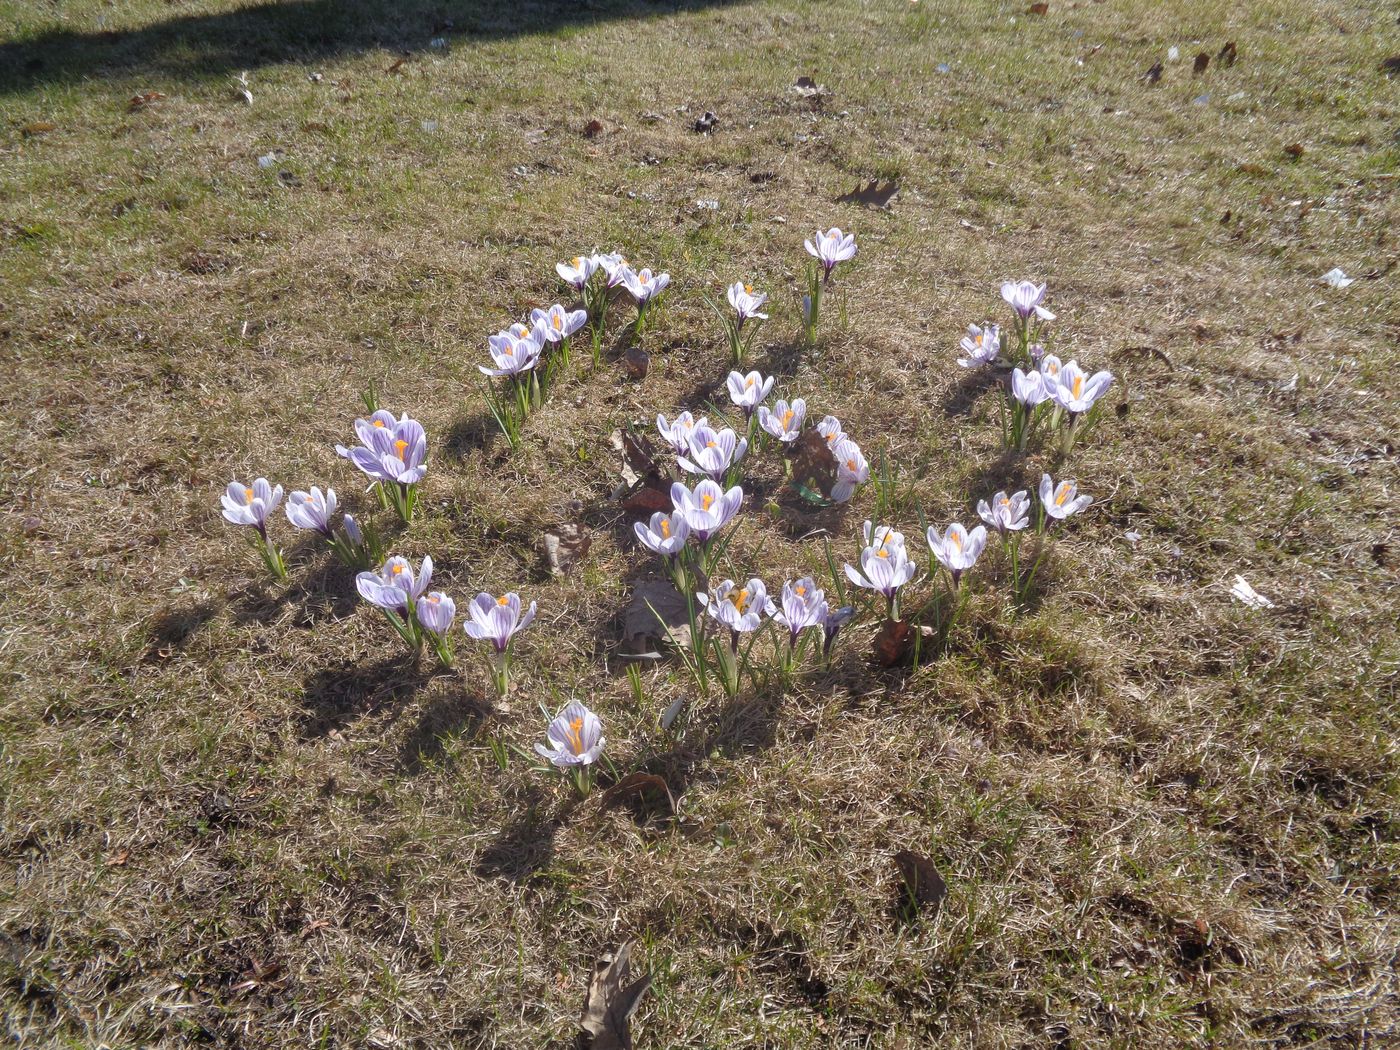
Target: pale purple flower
882 536
558 323
803 605
665 535
1028 387
577 270
830 428
1062 500
831 247
390 449
746 301
251 504
1037 351
836 618
957 550
435 612
1025 298
1049 369
851 470
712 451
497 620
617 268
644 286
1006 513
312 510
515 350
575 737
784 422
676 432
748 391
741 609
395 586
1075 392
884 568
981 345
352 530
707 508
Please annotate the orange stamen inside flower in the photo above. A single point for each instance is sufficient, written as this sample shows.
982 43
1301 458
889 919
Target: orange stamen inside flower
711 444
787 418
503 600
558 323
955 540
743 597
1078 384
248 495
1062 495
665 528
398 569
575 735
400 446
1006 501
851 465
577 262
799 591
379 422
748 383
705 501
748 288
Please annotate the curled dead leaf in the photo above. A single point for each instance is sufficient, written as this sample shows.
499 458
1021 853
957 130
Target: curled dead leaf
657 615
565 546
636 361
922 885
813 465
893 642
1227 54
610 1001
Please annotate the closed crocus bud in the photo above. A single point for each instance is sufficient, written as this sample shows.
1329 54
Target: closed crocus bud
435 612
312 510
352 530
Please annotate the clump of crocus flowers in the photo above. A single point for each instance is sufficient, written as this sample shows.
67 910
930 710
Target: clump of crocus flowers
314 511
496 621
417 615
393 454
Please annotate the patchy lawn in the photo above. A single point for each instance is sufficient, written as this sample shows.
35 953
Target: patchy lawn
235 814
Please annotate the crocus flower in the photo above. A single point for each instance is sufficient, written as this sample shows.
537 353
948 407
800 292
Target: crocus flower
712 451
251 504
615 265
981 345
1025 298
831 626
515 350
747 391
957 550
312 510
882 536
645 287
1075 392
435 612
741 609
804 605
746 302
851 470
391 450
352 530
884 568
1028 388
830 428
578 270
830 248
784 422
707 508
665 534
497 620
676 432
558 323
1006 513
1049 369
575 737
395 586
1061 500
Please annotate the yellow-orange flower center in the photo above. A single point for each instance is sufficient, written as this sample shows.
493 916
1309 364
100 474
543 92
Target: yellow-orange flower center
799 591
665 529
1062 495
575 735
379 422
503 600
399 446
743 597
1078 385
955 540
558 322
787 418
705 501
248 495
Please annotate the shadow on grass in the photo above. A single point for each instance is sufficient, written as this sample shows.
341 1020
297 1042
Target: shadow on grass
456 714
526 844
334 698
207 47
470 434
172 629
968 389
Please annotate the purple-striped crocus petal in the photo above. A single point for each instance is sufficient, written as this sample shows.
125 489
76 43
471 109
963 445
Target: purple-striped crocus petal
575 737
435 612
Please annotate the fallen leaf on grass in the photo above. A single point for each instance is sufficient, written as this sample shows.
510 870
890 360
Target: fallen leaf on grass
38 127
1154 73
1199 66
1294 150
645 488
565 546
657 614
872 195
610 1002
892 643
398 65
143 100
593 128
813 465
636 361
118 859
646 790
1038 9
1227 54
923 886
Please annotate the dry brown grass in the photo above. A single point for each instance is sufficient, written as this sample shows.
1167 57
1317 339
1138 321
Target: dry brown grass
233 815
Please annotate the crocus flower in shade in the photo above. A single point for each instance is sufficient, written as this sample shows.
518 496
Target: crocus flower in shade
665 534
435 612
830 428
836 618
1062 500
1037 351
784 422
884 568
830 248
644 286
1075 392
957 550
741 609
395 586
981 345
676 432
712 451
747 391
577 270
352 530
515 350
746 302
575 737
497 620
251 504
804 605
312 510
1028 388
851 470
390 449
558 323
1006 513
1025 298
707 508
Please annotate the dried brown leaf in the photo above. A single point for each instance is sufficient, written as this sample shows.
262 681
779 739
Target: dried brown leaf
593 128
646 790
813 465
1227 54
923 885
1038 9
1202 61
893 642
636 361
611 1000
1154 73
143 100
38 127
565 546
656 615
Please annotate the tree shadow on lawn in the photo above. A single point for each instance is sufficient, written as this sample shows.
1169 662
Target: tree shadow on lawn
210 46
526 844
968 389
333 698
455 714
